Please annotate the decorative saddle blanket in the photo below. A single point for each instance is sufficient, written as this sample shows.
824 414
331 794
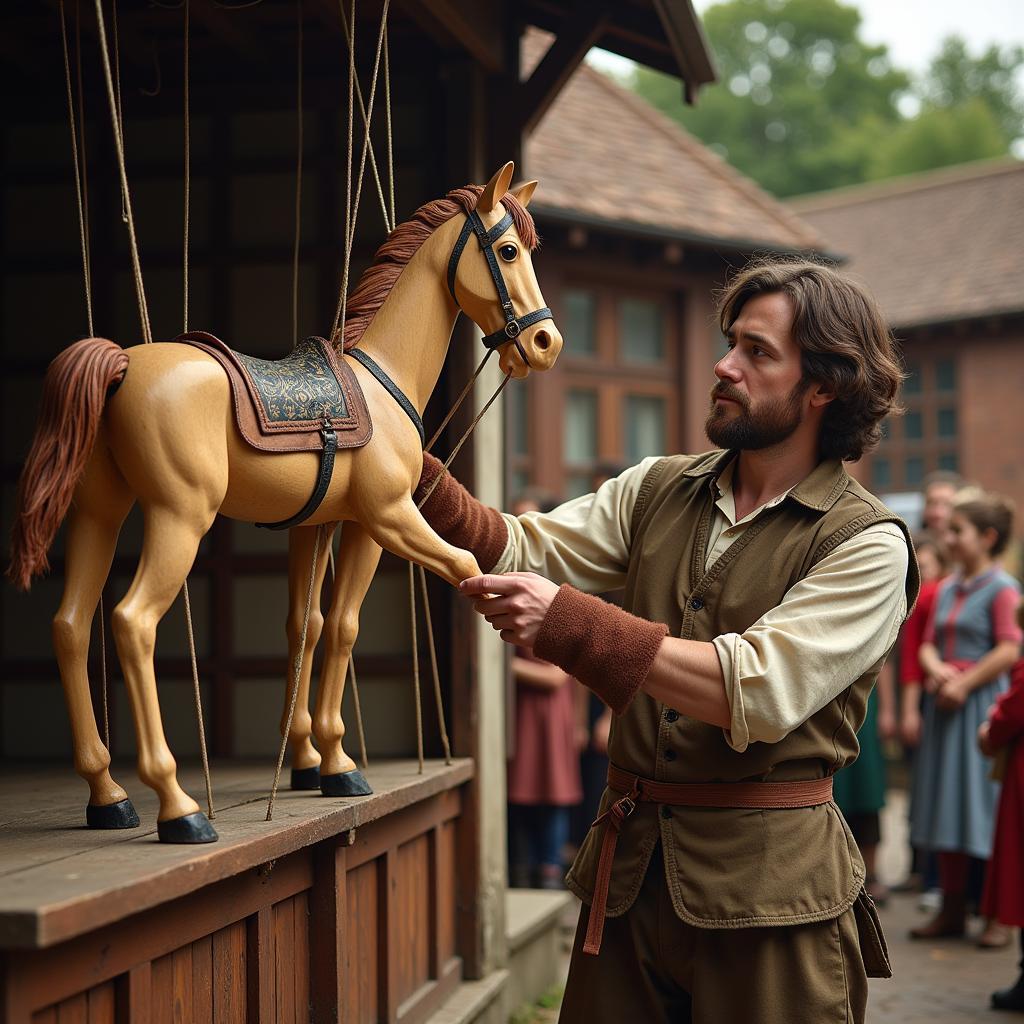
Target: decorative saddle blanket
283 405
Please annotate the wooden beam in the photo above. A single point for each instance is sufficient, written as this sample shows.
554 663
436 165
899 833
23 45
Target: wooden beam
582 27
473 26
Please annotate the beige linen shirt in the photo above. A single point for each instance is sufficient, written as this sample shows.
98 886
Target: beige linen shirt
831 627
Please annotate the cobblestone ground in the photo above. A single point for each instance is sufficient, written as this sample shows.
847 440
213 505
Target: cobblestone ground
942 982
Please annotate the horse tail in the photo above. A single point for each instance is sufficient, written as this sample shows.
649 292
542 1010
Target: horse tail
74 393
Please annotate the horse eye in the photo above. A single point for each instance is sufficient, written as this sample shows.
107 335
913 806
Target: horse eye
508 252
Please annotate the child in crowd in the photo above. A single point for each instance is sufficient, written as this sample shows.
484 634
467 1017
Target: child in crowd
969 644
1002 736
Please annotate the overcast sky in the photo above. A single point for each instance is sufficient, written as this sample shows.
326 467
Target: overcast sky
914 29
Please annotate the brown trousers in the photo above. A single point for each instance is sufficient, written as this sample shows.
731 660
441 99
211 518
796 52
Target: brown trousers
655 968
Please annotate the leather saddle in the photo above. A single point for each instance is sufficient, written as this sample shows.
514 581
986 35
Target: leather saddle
308 401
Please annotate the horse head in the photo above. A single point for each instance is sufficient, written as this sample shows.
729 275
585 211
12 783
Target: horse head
493 281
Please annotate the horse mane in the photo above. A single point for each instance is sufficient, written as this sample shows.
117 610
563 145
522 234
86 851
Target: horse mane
402 244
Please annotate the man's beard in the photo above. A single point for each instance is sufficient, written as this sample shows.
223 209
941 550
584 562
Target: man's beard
760 426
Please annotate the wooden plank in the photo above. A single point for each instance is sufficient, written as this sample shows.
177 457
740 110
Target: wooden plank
390 936
445 889
229 974
162 990
328 990
76 965
47 1016
260 958
134 995
181 960
283 930
202 980
300 960
58 885
101 1003
361 962
74 1010
371 843
411 920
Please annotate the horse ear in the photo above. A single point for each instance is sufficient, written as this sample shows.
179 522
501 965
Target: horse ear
525 193
494 191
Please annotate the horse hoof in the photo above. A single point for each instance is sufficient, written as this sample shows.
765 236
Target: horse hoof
306 778
192 828
351 783
119 815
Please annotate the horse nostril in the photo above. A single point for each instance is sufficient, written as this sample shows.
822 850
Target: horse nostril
542 340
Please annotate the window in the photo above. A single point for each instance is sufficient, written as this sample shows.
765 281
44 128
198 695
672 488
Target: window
949 461
947 423
945 375
913 426
579 337
881 473
914 471
645 427
641 333
912 385
580 445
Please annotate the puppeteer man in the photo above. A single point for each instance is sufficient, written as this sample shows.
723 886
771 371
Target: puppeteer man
763 590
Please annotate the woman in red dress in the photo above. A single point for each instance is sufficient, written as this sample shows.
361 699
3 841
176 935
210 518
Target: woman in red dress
1003 736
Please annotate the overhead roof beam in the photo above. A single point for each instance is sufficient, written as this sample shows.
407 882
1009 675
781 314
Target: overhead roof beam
472 25
581 28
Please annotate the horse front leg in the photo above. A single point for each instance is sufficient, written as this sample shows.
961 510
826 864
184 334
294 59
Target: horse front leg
401 528
358 555
171 539
301 542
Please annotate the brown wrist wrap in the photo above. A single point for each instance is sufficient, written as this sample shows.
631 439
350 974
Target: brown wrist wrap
457 517
605 648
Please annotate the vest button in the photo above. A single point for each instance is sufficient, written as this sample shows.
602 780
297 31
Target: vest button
671 715
696 603
666 812
670 755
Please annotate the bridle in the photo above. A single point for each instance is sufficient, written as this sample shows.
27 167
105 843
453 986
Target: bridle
514 325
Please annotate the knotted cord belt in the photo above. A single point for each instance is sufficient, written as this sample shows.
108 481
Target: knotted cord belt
776 795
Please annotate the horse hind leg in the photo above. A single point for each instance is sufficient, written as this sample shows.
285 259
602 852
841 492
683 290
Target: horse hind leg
305 760
102 500
171 539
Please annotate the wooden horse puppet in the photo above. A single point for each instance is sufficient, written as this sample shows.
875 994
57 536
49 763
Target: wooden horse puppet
167 437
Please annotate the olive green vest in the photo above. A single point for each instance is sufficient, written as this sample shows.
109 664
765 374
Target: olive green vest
735 868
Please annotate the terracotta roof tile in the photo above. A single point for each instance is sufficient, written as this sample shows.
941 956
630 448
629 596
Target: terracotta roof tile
944 245
601 152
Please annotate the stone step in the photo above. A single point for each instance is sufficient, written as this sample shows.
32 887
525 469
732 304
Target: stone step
535 933
476 1002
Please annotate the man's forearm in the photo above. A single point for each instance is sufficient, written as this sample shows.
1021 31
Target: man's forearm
687 675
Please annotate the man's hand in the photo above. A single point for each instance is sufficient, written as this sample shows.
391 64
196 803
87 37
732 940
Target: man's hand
517 608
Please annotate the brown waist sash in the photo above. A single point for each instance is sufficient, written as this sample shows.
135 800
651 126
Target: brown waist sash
636 790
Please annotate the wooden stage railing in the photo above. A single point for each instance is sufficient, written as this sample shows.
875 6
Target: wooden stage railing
338 910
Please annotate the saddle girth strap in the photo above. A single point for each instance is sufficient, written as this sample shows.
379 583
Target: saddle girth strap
391 387
323 481
773 795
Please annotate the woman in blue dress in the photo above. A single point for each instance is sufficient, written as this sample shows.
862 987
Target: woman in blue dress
969 646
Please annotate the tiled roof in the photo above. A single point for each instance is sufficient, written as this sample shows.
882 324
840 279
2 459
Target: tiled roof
944 245
605 156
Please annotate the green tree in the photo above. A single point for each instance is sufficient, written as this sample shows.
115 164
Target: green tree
796 86
954 79
804 104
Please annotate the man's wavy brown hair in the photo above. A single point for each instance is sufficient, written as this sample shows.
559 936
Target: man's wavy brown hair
847 346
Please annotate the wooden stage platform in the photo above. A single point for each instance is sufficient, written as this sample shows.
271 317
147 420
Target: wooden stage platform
338 909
